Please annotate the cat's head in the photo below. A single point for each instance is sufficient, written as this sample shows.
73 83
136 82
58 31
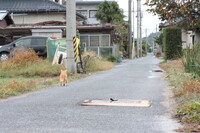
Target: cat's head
63 71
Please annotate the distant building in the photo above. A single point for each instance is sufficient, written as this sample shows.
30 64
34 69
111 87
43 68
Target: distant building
89 10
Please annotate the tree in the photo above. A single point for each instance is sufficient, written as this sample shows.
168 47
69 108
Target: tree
120 35
109 12
186 12
159 39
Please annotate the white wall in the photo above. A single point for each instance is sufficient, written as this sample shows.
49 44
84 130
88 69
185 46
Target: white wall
86 7
37 18
47 32
186 39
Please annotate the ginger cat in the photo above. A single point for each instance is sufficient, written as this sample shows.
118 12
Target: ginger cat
63 77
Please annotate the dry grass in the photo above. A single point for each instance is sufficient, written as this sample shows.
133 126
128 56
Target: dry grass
174 65
192 86
89 53
186 91
20 60
12 88
28 64
93 63
98 65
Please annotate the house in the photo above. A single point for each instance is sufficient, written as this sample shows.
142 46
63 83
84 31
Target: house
35 11
5 19
47 18
189 37
89 10
32 16
98 38
93 35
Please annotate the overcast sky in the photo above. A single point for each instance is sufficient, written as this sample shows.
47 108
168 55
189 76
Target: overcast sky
149 21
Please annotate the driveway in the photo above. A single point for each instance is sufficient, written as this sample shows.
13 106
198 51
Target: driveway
58 109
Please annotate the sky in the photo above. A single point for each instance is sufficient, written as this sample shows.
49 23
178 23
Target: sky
149 21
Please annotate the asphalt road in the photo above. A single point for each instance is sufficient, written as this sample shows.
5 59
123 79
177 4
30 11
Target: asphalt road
58 110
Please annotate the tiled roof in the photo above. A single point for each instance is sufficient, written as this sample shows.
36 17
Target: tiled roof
33 6
21 6
91 2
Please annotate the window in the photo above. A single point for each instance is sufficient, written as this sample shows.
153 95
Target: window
105 40
84 40
83 12
92 13
39 41
23 43
94 40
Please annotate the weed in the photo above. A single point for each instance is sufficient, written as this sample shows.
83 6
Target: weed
20 60
190 113
187 92
41 68
192 86
93 63
31 84
191 60
12 88
112 58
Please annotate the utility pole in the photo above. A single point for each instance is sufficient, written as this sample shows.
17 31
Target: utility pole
146 41
139 28
156 28
70 33
133 28
130 29
140 31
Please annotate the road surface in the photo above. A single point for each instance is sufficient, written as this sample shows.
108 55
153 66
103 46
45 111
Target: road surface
58 109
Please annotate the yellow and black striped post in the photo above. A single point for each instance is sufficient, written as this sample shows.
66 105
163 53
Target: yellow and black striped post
76 42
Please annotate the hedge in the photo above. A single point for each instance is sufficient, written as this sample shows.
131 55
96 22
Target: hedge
172 43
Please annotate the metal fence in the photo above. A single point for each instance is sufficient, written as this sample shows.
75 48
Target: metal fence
95 39
100 43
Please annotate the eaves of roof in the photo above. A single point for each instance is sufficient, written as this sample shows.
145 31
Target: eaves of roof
5 15
90 2
33 6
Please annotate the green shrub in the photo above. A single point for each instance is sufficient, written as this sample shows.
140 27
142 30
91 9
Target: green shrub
172 43
191 60
190 113
111 58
